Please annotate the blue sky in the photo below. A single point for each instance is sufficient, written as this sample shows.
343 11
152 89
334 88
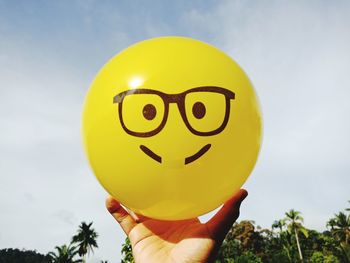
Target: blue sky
296 54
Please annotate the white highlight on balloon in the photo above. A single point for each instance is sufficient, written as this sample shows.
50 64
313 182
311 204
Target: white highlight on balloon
135 82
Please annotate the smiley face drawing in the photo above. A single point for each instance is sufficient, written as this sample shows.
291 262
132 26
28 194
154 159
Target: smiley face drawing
171 127
149 112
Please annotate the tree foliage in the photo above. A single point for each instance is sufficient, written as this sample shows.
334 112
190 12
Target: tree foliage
8 255
288 241
85 239
127 256
65 254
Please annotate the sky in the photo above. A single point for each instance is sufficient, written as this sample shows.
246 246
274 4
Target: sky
296 54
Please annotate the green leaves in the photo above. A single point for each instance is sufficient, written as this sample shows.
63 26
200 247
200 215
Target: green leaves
288 241
304 231
127 256
82 243
85 239
65 254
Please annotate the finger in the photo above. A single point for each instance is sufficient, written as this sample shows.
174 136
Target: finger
120 214
222 221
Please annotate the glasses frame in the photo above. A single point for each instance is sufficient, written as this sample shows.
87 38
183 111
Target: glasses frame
179 99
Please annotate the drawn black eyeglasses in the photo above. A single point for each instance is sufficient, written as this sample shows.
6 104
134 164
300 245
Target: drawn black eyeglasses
144 112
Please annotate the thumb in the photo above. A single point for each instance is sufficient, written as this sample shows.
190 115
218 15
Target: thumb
222 221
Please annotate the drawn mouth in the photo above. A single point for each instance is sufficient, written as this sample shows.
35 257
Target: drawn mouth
188 160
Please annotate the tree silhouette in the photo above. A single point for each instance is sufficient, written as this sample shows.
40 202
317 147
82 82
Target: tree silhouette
340 229
85 239
10 255
65 254
340 226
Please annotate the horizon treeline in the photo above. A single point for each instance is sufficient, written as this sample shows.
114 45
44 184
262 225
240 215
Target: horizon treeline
286 241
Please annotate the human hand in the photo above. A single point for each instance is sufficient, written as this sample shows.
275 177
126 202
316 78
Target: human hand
176 241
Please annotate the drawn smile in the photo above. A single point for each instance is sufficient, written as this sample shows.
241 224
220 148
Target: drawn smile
188 160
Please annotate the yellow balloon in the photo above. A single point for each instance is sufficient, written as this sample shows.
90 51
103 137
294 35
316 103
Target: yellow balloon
171 127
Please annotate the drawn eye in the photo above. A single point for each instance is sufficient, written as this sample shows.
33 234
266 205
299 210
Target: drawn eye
205 111
198 110
149 112
142 112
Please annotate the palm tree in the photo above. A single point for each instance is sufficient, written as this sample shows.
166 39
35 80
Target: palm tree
283 236
331 223
85 239
65 254
280 224
295 221
340 227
